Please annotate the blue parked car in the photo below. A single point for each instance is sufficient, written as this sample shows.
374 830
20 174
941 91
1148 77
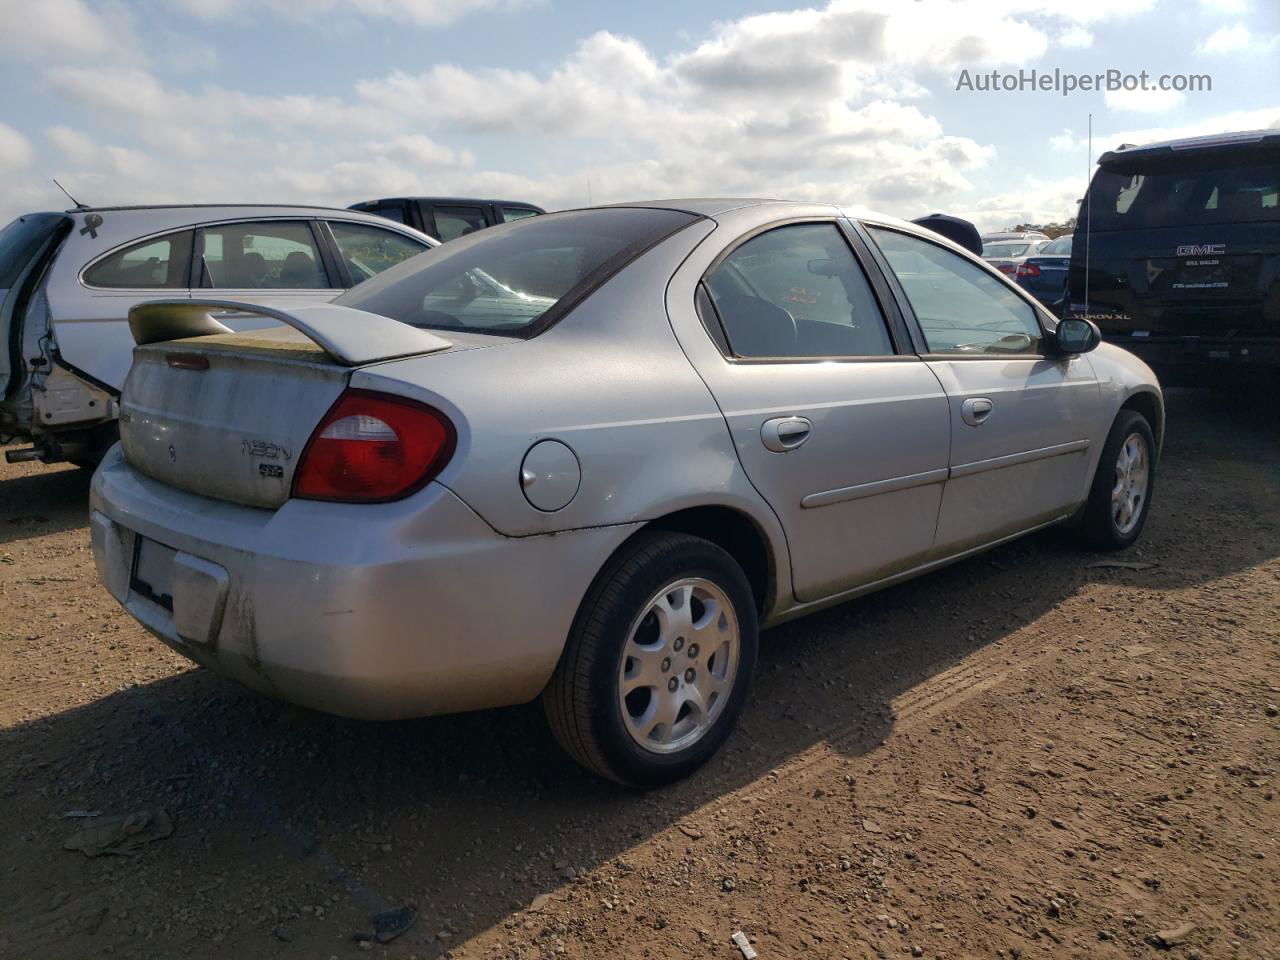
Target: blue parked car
1044 275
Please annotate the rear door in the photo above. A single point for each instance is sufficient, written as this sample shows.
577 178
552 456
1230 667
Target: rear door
25 244
1020 417
279 262
841 427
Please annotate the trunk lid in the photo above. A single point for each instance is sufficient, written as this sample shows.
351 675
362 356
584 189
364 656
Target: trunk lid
226 415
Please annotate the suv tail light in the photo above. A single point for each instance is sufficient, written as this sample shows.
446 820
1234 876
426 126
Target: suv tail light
373 447
1028 270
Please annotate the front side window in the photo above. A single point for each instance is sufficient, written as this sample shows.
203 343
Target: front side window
798 291
162 263
454 222
367 251
961 308
505 280
271 255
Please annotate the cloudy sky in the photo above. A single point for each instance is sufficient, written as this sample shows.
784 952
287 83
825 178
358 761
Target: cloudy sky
555 101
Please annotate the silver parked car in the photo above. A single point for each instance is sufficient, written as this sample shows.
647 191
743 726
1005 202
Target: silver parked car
685 421
67 281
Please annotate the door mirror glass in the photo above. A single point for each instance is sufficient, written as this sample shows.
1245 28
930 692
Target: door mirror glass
1075 335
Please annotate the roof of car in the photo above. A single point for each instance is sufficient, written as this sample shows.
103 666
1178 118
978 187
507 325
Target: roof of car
447 200
209 206
1217 141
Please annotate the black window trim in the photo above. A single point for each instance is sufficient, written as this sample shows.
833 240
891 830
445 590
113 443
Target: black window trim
903 349
1037 311
137 241
197 251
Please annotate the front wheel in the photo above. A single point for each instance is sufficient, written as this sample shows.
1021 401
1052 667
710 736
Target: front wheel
1121 494
658 664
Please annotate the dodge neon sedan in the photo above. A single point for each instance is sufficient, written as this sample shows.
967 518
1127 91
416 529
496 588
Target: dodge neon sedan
588 455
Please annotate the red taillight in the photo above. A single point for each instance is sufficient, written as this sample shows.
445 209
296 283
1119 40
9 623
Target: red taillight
1028 270
372 447
1006 268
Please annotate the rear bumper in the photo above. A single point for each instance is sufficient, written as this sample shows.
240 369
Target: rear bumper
1205 361
375 611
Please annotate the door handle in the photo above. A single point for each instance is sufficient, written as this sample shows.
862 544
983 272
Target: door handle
976 411
784 433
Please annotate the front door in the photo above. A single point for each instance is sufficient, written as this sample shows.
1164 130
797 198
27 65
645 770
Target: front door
1020 416
842 431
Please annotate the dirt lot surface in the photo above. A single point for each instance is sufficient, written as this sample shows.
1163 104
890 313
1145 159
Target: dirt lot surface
1024 755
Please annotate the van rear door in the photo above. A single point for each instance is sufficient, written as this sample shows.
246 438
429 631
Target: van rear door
25 247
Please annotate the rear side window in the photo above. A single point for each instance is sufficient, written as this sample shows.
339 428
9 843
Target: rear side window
1194 192
798 291
21 240
454 222
1059 247
270 255
961 308
161 263
367 251
515 279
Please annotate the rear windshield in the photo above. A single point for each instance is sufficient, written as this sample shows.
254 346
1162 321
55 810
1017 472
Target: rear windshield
1189 191
1006 249
516 278
21 240
1060 246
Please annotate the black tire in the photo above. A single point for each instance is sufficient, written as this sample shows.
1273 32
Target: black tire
1098 526
582 702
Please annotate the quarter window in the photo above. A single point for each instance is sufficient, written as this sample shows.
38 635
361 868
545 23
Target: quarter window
367 251
516 213
158 264
454 222
961 308
798 291
270 255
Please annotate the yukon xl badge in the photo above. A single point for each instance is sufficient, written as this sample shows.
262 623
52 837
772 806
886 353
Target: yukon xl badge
1201 249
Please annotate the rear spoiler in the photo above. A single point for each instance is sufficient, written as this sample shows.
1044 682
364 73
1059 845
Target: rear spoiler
351 337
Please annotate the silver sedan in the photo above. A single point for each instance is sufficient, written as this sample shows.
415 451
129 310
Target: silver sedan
589 455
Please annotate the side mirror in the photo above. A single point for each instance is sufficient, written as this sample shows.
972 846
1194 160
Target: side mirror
1076 335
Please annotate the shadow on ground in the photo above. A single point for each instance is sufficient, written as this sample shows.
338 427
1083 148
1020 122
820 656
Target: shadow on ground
467 816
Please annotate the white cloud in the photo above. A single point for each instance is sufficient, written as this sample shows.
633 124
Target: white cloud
423 13
38 28
1238 39
1225 6
1075 38
15 151
1033 201
1143 101
76 147
1064 141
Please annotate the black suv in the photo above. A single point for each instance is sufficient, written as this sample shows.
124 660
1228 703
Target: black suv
447 218
1179 244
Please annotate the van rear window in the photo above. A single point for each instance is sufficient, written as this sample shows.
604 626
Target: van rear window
21 240
1187 193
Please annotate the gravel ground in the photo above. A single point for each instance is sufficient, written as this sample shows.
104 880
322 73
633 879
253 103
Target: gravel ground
1021 756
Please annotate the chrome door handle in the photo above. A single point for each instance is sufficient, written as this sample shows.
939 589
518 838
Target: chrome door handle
976 411
784 433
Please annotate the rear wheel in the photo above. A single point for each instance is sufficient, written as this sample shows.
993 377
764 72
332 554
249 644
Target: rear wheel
658 663
1121 494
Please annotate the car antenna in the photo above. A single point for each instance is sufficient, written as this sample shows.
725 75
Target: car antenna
1088 216
79 205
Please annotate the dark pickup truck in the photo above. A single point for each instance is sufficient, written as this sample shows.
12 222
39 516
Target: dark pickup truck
447 218
1176 257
